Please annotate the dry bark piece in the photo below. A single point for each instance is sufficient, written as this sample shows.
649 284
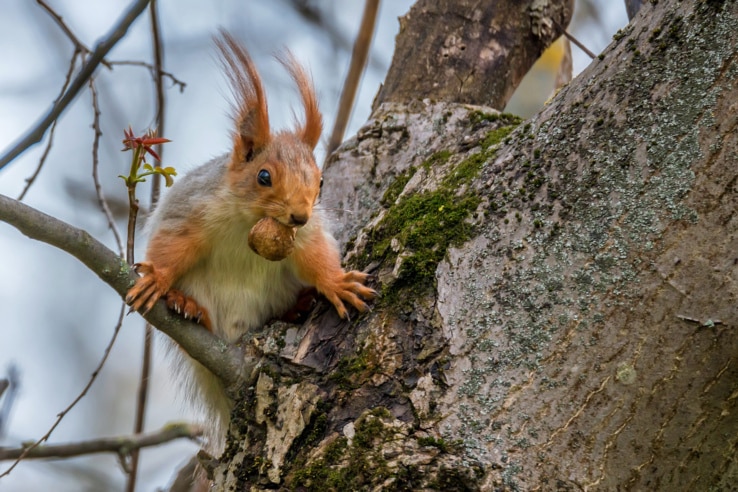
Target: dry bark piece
271 239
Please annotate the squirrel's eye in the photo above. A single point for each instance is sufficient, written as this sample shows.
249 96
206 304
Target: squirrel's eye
264 178
321 181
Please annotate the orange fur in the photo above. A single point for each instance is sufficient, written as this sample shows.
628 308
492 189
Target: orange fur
310 132
252 117
198 257
169 255
188 307
319 264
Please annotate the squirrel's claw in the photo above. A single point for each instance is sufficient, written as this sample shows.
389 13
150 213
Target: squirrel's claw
187 307
147 290
350 289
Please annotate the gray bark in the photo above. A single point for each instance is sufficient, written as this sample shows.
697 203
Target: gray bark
576 333
558 300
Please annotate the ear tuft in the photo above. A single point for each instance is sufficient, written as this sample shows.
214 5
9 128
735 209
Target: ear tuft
310 132
251 117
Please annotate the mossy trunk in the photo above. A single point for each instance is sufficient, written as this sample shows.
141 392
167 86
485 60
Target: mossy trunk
558 295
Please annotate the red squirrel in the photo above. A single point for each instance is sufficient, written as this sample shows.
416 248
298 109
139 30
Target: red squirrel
198 259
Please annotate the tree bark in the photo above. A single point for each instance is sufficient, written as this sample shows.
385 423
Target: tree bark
558 301
468 51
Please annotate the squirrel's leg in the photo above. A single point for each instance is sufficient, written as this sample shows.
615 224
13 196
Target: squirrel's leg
319 264
304 304
184 305
169 255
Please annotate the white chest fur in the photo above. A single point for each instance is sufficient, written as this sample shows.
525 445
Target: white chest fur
240 289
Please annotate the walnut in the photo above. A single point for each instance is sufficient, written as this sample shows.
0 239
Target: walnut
271 239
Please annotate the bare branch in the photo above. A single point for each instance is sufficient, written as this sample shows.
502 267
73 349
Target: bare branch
160 96
36 133
67 79
60 416
12 384
95 164
632 7
225 361
143 385
78 45
121 445
574 40
155 72
350 85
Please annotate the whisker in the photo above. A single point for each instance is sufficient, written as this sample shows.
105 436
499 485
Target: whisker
329 209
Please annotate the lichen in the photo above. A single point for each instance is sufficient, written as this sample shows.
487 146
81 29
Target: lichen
572 214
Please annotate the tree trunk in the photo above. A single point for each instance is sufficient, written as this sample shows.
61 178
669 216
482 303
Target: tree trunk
557 300
468 51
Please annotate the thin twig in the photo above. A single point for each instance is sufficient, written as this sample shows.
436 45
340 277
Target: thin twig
573 39
67 79
78 45
356 68
579 44
155 72
122 445
143 386
36 133
64 412
227 363
158 75
10 392
95 164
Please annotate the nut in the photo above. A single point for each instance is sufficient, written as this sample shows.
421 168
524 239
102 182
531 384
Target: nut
271 239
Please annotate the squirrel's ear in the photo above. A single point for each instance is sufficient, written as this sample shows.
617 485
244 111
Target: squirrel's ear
250 112
312 129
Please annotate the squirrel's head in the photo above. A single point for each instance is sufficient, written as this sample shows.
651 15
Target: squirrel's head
275 174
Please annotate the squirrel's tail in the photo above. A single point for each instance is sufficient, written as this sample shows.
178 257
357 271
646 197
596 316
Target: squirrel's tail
206 394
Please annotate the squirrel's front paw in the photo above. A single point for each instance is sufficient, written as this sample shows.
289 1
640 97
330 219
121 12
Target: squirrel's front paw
186 306
148 289
349 288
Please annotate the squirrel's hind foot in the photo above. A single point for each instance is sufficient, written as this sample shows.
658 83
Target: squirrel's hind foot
188 308
147 289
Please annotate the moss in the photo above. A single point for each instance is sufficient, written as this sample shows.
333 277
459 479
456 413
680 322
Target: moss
422 226
440 443
496 136
396 187
357 465
437 159
312 435
323 473
477 117
347 373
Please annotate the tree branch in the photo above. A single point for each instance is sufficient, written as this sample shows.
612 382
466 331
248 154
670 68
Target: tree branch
28 449
467 61
225 361
122 445
36 133
356 68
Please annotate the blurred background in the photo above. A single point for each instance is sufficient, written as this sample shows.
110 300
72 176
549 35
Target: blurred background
57 316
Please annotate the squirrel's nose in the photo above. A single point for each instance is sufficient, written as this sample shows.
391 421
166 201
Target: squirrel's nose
299 219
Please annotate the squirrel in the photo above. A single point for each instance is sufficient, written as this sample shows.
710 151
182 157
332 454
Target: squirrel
198 259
